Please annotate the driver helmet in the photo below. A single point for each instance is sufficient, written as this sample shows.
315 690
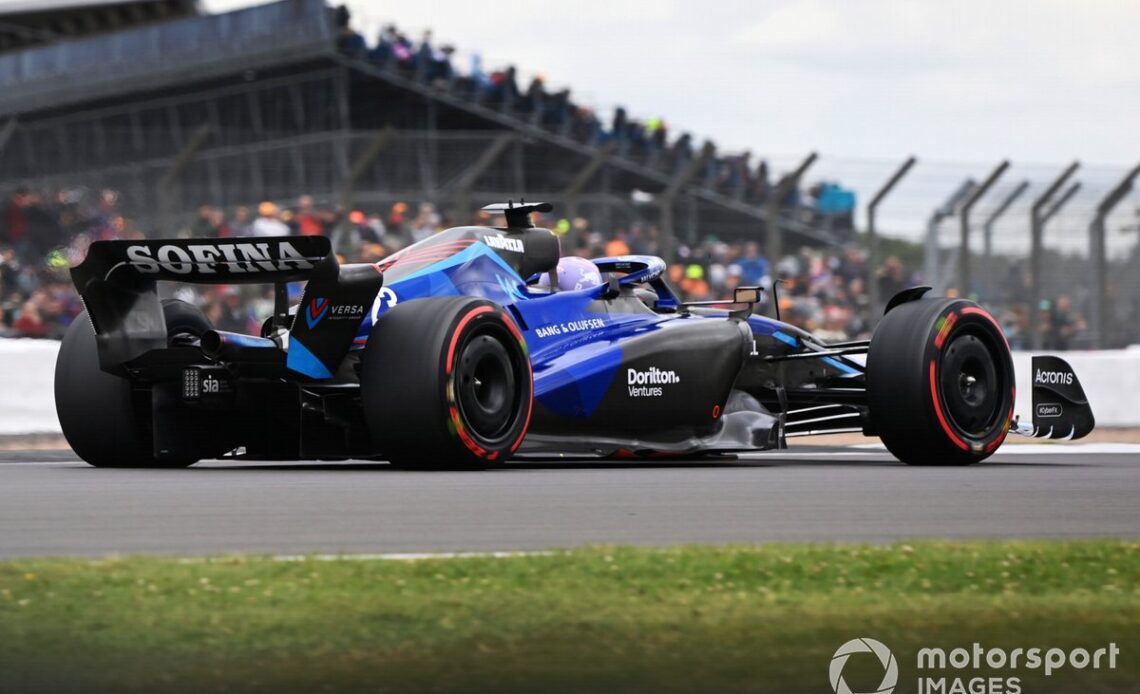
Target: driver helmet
573 273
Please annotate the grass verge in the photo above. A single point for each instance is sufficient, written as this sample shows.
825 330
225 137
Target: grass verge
763 618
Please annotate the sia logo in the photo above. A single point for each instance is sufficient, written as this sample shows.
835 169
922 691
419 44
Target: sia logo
318 308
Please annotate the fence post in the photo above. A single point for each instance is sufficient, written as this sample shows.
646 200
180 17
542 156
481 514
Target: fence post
181 160
873 258
359 167
775 198
571 194
988 232
1099 256
931 266
6 133
1036 227
1060 202
964 220
465 182
667 239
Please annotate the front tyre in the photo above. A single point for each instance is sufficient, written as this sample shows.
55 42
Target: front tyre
940 382
446 384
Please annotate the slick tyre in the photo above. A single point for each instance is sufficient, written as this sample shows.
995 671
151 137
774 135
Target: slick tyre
446 384
105 418
940 382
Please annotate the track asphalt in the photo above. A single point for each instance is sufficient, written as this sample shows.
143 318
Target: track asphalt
53 504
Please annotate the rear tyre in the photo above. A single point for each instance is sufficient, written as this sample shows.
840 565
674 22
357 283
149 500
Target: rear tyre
105 419
940 382
446 384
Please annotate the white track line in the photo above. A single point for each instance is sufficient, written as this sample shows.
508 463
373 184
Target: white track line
1042 448
407 556
855 450
389 556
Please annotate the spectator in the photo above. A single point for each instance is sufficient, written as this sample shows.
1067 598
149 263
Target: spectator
14 231
440 72
382 53
890 278
761 185
218 223
210 224
404 54
1063 325
267 222
308 221
658 132
348 41
426 223
753 266
617 246
10 271
30 323
241 226
534 99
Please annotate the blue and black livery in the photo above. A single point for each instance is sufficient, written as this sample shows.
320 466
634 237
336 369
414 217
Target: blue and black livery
448 353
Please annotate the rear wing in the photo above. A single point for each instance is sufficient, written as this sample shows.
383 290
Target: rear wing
117 281
241 260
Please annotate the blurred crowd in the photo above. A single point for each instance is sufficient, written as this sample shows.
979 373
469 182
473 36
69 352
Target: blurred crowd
645 140
823 290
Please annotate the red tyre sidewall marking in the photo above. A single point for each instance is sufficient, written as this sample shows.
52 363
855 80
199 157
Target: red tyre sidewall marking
458 332
1000 438
939 339
975 311
453 411
530 376
938 409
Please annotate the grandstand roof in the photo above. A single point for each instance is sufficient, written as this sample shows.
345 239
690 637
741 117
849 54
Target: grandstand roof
10 7
25 23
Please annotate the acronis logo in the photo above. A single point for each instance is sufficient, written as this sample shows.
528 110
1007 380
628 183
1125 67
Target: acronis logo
318 309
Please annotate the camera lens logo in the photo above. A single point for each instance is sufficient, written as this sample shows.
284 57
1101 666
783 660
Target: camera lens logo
890 665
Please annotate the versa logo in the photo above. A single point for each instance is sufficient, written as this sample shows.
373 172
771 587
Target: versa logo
318 309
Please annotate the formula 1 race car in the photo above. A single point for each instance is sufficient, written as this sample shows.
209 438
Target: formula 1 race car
467 348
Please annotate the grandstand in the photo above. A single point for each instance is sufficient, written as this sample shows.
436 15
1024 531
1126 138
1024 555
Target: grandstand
25 23
148 117
271 101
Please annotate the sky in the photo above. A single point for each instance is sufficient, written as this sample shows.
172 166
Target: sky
1033 80
961 84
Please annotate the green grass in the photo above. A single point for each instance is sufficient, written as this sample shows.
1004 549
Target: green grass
601 619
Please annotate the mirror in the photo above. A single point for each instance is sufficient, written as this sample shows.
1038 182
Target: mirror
746 295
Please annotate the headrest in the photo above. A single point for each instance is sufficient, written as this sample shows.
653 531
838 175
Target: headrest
541 252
